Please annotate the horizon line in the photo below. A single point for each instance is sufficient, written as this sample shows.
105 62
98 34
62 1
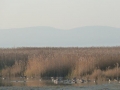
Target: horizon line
60 47
58 28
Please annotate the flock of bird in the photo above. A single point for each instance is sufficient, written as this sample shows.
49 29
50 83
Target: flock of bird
60 80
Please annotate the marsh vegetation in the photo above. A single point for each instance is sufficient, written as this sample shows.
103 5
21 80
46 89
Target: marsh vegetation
93 62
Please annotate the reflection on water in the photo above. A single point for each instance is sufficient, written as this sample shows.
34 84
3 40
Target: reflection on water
38 83
24 82
10 82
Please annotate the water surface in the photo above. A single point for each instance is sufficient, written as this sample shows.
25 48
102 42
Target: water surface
36 84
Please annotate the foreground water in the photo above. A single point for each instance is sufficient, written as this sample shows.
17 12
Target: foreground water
36 84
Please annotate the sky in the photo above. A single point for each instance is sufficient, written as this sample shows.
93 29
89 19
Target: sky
61 14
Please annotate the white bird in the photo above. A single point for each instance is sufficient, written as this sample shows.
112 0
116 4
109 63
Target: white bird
3 78
119 81
109 80
55 81
94 81
81 80
52 78
40 79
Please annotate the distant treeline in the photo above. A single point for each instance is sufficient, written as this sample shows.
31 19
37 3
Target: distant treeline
93 62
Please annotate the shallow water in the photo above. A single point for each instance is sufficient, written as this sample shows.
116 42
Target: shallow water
36 84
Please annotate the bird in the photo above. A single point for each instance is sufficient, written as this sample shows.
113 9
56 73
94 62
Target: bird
119 81
109 81
55 81
40 79
3 78
94 80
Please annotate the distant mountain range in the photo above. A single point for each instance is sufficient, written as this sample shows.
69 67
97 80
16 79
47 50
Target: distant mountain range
51 37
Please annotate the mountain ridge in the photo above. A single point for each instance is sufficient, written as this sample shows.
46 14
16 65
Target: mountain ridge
62 29
43 36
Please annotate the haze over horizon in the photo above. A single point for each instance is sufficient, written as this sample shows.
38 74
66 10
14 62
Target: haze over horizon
59 23
61 14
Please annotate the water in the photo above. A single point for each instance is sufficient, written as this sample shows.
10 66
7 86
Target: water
36 84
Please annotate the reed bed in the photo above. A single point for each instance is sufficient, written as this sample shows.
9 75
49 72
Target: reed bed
92 62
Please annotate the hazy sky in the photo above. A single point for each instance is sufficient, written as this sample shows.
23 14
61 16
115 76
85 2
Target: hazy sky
63 14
